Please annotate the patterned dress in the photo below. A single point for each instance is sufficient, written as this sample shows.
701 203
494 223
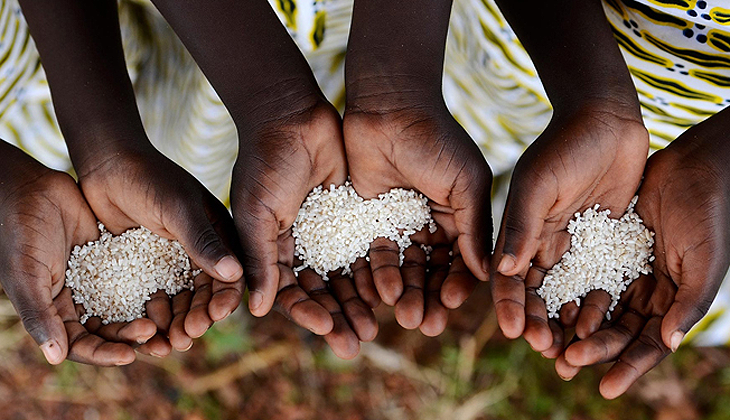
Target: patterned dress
677 52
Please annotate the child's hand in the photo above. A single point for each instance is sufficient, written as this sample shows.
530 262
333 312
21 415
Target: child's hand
138 186
685 199
280 161
42 217
423 148
595 154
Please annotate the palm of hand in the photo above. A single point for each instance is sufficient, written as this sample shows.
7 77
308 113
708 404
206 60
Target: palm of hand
684 201
144 188
42 222
277 167
585 158
425 150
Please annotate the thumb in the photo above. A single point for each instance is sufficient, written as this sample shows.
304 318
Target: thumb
697 289
31 297
473 219
208 242
522 224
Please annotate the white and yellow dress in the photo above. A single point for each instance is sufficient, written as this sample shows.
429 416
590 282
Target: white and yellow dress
678 52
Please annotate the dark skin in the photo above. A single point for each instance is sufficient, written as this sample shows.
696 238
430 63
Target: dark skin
685 200
399 133
42 217
125 180
593 151
290 142
602 145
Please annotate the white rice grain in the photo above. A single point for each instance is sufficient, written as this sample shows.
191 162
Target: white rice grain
605 254
336 226
114 276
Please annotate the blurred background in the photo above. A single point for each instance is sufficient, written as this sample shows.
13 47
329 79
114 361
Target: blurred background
271 369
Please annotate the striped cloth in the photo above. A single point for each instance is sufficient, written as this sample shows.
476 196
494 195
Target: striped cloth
676 51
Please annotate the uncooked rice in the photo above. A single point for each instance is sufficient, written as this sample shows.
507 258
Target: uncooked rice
114 276
336 226
606 254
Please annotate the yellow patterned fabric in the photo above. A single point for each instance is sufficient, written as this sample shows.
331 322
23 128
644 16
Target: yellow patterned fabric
677 51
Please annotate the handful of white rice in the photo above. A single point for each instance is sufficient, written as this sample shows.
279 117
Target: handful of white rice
336 226
606 254
114 276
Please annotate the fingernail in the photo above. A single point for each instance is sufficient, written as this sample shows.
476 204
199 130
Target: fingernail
485 265
228 268
566 378
676 340
255 300
52 351
159 356
189 347
506 264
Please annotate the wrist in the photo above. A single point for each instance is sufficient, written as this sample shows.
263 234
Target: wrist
613 98
384 93
706 144
274 104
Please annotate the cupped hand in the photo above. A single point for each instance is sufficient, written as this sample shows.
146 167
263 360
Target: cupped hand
138 186
280 161
593 154
42 217
422 147
685 200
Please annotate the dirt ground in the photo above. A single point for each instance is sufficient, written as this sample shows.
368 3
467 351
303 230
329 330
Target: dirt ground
246 368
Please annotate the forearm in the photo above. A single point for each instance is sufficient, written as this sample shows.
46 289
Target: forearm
396 52
708 142
572 46
246 54
81 50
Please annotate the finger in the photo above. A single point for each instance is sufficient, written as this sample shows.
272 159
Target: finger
342 339
135 332
640 357
435 313
84 347
358 314
31 297
159 311
471 199
537 330
459 282
179 339
363 277
385 267
295 303
569 314
527 205
593 311
409 308
259 231
209 250
606 345
508 293
565 370
158 346
225 300
698 286
197 320
559 339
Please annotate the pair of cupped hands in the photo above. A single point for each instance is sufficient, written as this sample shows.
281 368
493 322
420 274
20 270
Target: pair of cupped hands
593 153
